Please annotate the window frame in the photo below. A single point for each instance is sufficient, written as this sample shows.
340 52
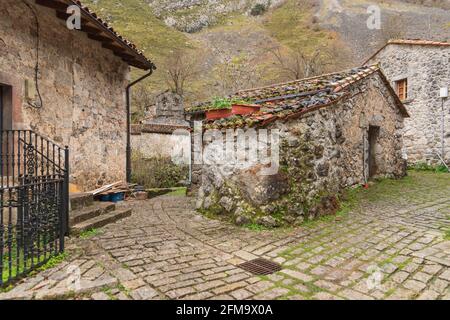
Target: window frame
401 88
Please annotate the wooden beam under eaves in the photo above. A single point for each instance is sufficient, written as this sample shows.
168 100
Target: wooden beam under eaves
99 37
113 47
53 4
86 26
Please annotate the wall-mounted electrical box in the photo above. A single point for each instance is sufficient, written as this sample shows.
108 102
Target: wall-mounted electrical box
30 90
444 93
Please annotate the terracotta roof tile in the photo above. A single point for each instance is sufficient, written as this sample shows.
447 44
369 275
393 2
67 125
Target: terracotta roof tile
291 99
137 129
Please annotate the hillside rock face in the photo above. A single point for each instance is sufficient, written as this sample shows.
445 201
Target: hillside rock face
194 15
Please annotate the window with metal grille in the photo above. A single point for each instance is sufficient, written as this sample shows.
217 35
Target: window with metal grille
402 89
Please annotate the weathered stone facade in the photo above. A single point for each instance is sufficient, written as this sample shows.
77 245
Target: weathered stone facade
321 153
82 87
427 69
155 136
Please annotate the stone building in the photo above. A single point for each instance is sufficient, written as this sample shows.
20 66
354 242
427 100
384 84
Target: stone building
417 69
334 131
68 85
154 137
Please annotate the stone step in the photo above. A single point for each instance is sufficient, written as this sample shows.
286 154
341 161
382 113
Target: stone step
100 221
80 200
95 210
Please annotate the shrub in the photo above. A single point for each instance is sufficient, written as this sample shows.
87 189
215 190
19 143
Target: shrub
258 9
423 166
157 172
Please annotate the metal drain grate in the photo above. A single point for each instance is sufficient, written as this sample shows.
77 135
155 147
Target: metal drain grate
260 267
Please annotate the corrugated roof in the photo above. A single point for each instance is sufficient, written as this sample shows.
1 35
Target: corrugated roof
416 42
295 98
99 30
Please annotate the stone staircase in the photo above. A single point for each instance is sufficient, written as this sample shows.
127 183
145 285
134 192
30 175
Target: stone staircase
86 214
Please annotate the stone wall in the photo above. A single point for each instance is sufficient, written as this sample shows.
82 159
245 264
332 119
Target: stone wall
155 136
159 141
82 86
168 109
427 69
321 153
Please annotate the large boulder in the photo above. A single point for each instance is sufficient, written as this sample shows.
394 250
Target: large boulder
261 189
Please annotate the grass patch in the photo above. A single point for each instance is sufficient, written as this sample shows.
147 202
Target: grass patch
178 192
89 233
423 166
291 25
447 235
53 262
17 267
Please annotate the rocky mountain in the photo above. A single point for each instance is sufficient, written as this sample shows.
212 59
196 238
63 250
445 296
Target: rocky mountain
195 15
239 36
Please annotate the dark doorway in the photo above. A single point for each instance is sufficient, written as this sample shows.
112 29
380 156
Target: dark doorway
5 124
5 107
374 133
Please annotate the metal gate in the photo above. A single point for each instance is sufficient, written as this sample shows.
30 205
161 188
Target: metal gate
34 202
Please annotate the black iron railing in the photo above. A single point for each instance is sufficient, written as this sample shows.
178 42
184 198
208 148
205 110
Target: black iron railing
34 202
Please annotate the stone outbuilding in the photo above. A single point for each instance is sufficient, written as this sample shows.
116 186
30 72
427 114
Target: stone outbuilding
156 135
417 70
68 85
335 131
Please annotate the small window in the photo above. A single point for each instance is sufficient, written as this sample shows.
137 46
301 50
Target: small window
402 89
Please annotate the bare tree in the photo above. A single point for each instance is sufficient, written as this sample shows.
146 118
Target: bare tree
297 64
181 66
142 98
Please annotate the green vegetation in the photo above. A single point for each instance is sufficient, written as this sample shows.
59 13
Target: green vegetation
157 172
53 262
178 192
17 266
135 20
258 9
423 166
225 103
89 233
291 24
447 235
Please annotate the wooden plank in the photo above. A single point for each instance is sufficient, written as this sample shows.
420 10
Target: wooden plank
105 188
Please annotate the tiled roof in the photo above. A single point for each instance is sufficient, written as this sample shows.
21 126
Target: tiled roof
99 30
137 129
293 99
416 42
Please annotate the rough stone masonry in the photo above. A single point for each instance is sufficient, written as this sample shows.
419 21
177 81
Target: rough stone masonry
426 67
321 153
82 87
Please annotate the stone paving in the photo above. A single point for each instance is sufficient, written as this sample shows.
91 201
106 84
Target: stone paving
390 246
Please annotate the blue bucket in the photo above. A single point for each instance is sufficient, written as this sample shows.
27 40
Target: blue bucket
105 197
116 197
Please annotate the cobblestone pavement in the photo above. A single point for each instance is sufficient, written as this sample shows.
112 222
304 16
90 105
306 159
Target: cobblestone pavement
390 246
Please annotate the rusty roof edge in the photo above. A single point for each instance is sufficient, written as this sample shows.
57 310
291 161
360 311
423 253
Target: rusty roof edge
394 95
107 28
419 42
193 110
368 72
340 85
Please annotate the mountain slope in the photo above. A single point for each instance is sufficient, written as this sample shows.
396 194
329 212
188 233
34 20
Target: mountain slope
239 35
